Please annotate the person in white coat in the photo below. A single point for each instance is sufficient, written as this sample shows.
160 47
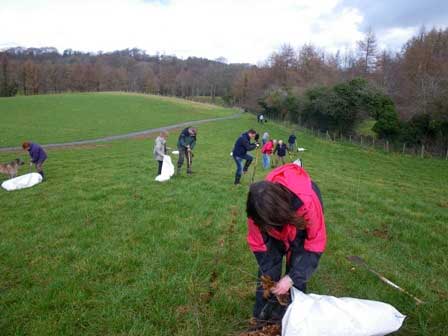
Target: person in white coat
160 150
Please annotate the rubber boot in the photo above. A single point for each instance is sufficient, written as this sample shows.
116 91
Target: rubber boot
42 174
178 170
246 166
237 179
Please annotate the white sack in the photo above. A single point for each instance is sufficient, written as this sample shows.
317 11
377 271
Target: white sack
167 169
22 182
301 149
318 315
175 152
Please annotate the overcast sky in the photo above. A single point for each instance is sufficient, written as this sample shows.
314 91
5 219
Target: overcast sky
239 30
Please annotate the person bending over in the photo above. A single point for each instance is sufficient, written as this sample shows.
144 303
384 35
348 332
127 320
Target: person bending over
239 153
185 145
37 155
285 219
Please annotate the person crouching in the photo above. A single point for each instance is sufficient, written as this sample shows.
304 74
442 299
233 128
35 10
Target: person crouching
239 153
285 218
37 155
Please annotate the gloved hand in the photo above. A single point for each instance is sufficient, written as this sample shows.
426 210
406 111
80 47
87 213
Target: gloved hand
283 286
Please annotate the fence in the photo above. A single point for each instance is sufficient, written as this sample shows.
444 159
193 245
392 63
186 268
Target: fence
372 142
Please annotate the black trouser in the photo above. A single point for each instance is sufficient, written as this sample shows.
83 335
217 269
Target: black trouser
270 309
159 170
184 152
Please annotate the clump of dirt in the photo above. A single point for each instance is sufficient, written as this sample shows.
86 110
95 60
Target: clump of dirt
269 330
443 204
268 284
382 232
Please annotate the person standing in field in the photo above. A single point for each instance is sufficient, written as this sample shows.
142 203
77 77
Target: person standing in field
185 145
280 150
285 218
160 150
242 146
265 138
292 142
38 156
267 150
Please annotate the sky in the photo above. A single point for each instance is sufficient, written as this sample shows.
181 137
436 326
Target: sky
245 31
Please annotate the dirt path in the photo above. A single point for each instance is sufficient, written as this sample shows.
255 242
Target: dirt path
125 136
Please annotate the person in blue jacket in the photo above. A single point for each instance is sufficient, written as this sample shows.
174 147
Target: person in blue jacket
185 145
292 142
37 155
243 145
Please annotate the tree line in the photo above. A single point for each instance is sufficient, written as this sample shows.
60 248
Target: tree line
30 71
404 92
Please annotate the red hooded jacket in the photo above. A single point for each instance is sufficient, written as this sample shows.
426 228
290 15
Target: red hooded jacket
268 148
297 180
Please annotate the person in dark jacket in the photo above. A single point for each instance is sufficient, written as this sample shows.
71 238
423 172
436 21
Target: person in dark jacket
280 150
285 218
37 155
185 145
242 146
292 142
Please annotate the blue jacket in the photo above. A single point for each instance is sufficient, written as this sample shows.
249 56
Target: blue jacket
292 139
37 153
185 139
243 145
280 150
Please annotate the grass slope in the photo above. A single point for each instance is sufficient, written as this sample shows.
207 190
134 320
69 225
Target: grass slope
102 249
70 117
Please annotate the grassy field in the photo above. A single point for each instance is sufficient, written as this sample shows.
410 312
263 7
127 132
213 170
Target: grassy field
71 117
102 249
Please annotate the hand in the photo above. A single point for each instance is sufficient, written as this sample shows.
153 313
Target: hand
283 286
257 144
31 164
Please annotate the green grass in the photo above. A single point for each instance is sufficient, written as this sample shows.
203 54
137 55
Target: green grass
71 117
102 249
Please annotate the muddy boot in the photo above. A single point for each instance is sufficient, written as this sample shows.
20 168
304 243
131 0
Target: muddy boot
189 172
179 169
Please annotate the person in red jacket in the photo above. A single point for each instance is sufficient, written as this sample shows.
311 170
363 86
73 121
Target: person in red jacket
267 151
285 218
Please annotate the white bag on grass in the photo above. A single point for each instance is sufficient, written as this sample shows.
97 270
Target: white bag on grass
22 182
322 315
167 169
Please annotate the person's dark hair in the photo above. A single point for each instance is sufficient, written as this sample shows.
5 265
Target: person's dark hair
270 206
252 131
26 145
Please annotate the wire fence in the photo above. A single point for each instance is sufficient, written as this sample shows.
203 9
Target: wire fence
373 142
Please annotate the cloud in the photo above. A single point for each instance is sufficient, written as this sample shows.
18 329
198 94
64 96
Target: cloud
382 14
239 30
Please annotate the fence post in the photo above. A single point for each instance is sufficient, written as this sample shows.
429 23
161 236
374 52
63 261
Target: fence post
404 147
361 140
446 156
422 152
351 139
387 145
373 141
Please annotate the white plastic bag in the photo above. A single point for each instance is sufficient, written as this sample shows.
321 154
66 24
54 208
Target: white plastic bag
167 169
321 315
22 182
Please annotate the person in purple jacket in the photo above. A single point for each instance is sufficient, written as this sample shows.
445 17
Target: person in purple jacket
37 154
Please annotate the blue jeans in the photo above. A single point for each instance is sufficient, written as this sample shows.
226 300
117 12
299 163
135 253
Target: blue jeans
239 164
266 161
